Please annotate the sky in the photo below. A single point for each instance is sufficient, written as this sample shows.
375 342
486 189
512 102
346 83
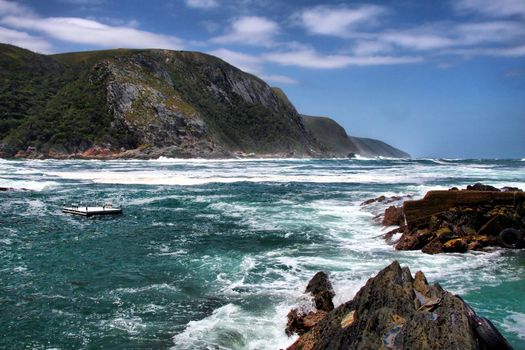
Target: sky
435 78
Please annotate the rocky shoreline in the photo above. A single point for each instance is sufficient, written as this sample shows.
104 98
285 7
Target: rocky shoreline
146 153
456 221
392 311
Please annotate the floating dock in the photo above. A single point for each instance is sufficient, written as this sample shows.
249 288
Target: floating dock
83 210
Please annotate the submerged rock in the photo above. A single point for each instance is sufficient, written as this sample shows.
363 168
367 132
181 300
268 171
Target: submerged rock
396 311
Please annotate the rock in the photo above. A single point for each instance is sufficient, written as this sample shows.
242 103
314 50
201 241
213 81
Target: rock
386 200
457 245
482 187
300 324
393 216
395 311
374 200
455 221
322 292
321 289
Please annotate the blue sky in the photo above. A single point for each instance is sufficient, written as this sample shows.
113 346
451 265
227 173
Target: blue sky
434 78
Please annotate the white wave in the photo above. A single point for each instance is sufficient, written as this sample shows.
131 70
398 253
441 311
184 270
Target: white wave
232 327
133 325
157 287
226 160
27 184
514 324
207 177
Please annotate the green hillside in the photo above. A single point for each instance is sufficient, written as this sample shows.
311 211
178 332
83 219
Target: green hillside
147 103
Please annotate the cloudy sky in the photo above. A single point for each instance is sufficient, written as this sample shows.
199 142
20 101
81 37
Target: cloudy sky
434 78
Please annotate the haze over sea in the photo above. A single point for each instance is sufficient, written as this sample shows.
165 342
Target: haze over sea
212 254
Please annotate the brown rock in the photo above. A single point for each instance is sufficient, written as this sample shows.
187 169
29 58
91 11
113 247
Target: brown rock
374 200
419 212
393 216
300 324
322 291
458 245
313 318
433 247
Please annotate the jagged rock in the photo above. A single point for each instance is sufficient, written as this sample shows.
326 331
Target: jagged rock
374 200
395 311
393 216
321 289
322 292
385 200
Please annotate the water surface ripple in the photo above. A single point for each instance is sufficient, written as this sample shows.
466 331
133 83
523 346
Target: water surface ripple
213 254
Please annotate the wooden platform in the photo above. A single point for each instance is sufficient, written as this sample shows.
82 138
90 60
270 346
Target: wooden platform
91 211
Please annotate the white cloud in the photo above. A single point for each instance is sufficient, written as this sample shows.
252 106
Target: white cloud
337 21
490 32
281 79
250 30
25 40
13 8
416 41
491 8
311 59
84 2
84 31
369 47
509 52
203 4
251 64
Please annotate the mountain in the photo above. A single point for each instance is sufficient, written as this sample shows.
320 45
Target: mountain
144 104
328 132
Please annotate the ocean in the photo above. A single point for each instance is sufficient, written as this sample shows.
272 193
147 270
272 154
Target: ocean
212 254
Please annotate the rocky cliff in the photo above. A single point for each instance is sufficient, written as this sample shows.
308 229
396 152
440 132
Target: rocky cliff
337 142
146 103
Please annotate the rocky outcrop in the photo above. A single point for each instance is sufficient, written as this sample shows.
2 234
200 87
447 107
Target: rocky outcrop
455 221
394 216
300 320
397 311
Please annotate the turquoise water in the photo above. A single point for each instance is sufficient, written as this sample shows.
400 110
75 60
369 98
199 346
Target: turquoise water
213 254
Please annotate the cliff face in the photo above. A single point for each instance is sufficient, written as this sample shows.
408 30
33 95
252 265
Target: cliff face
143 103
338 143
